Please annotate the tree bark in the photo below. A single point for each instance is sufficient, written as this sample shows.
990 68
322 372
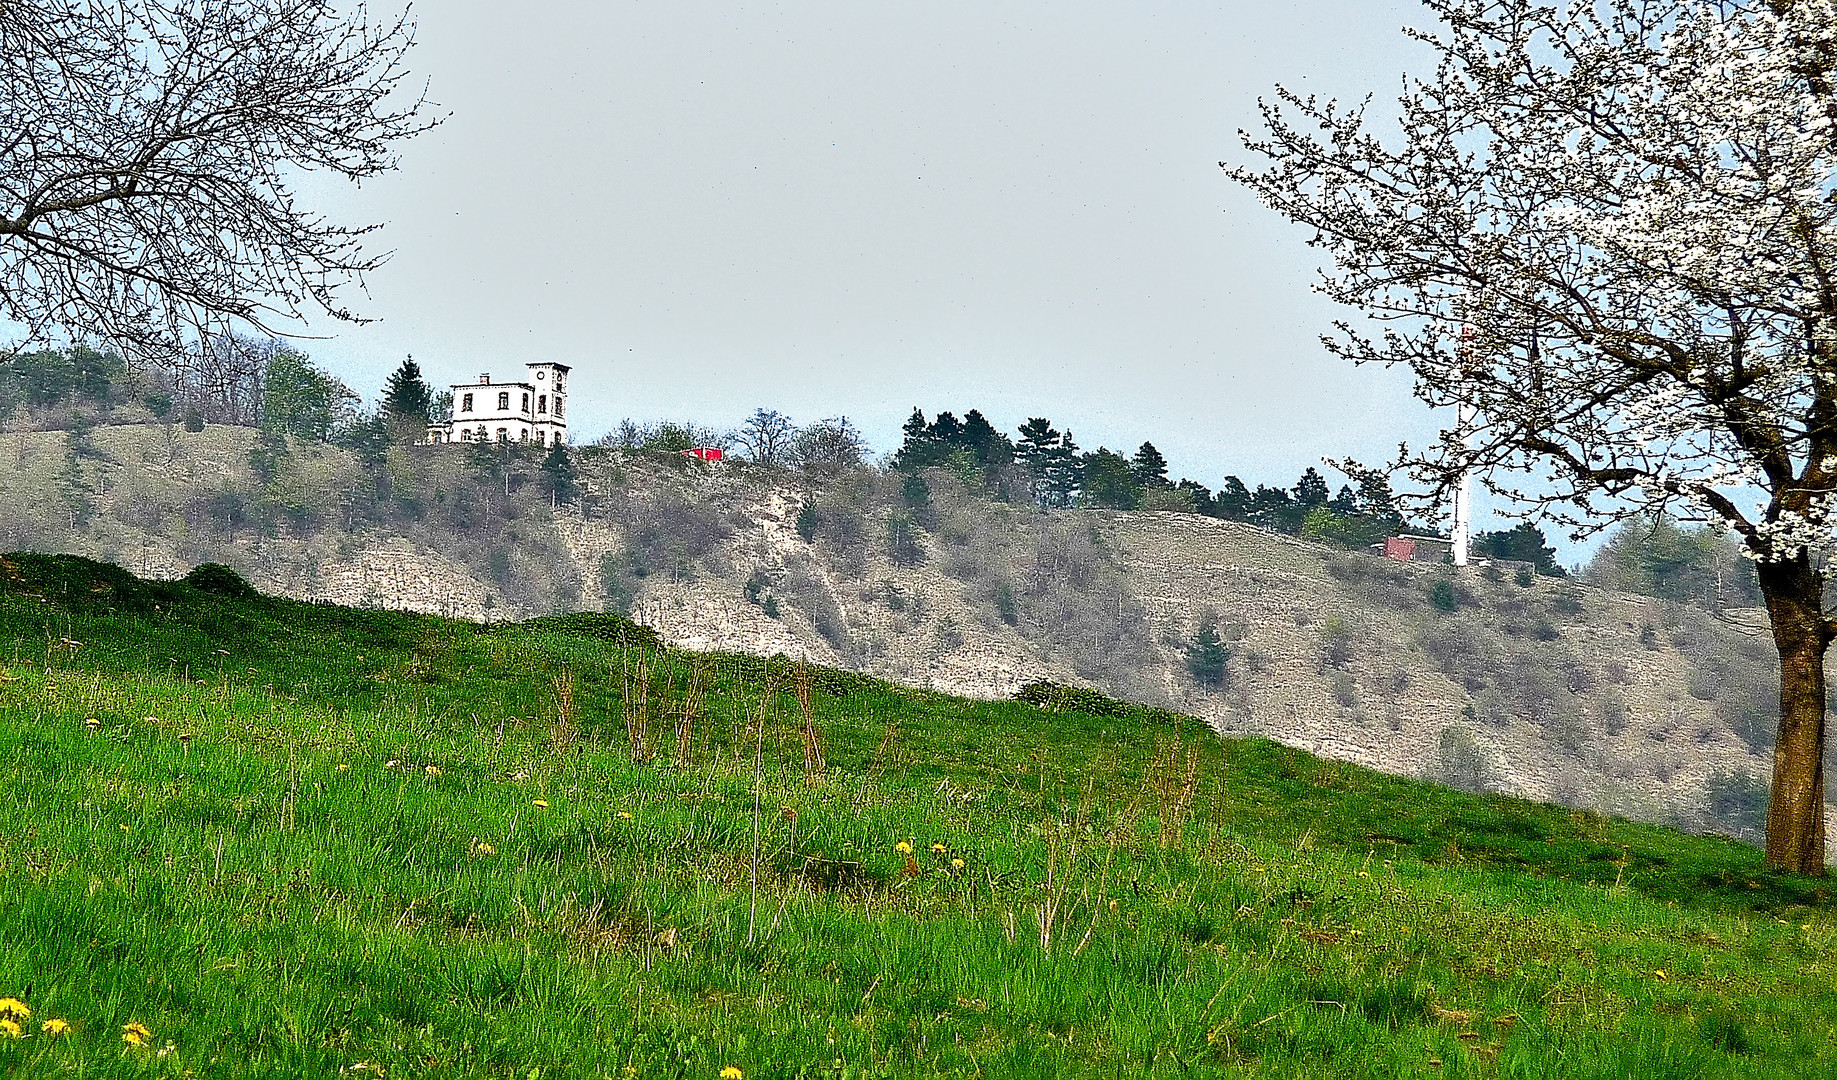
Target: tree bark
1794 592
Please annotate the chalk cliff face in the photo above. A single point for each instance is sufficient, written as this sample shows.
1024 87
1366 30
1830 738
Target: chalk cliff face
1548 689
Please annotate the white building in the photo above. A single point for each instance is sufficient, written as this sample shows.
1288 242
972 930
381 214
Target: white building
484 411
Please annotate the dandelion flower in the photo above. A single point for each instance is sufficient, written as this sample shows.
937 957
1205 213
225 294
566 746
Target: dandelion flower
54 1027
732 1072
136 1034
10 1028
938 848
342 767
956 864
482 848
903 847
624 815
15 1009
433 770
541 804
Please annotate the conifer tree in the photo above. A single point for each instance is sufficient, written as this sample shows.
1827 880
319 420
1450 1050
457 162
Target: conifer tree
406 396
1149 467
559 474
1311 490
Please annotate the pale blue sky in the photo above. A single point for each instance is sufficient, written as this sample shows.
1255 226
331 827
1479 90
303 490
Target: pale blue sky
857 208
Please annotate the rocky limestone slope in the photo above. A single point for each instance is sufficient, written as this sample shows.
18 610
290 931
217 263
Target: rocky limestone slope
1549 690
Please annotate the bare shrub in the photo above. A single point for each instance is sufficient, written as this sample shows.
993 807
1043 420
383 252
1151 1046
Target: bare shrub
806 590
1460 761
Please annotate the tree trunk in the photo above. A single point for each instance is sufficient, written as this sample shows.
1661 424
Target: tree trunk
1794 592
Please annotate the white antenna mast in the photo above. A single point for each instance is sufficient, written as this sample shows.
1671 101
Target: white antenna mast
1462 531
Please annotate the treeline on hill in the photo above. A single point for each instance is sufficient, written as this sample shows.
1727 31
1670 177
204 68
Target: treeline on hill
1046 466
276 389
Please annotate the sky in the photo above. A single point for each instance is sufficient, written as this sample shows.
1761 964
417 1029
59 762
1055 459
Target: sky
853 209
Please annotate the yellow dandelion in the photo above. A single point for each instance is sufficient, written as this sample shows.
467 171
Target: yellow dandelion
10 1028
956 864
484 849
13 1008
732 1072
624 815
342 767
433 770
541 804
54 1027
136 1034
903 847
1660 974
938 848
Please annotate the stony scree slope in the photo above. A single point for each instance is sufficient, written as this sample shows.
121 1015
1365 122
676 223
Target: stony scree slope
1550 690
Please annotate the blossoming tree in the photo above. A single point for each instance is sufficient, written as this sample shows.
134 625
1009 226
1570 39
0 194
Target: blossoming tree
1610 232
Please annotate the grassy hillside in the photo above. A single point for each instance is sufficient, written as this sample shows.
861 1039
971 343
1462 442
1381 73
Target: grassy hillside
286 839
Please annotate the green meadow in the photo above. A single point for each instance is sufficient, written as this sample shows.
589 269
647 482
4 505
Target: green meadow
245 836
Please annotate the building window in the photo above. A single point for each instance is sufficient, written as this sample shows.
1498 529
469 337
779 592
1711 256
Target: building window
557 404
504 401
560 383
465 403
503 434
542 403
465 436
525 402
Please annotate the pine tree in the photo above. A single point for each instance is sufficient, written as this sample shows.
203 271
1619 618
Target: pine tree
991 447
1233 500
1149 467
1037 448
406 396
1207 659
1311 490
559 472
919 448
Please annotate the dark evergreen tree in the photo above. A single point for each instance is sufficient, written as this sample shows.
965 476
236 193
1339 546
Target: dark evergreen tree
1523 542
1272 508
1207 658
1203 502
917 450
1311 490
1376 501
559 475
1149 467
1037 447
406 396
1346 502
991 447
1233 502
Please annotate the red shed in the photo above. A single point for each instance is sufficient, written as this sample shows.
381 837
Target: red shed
706 453
1399 548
